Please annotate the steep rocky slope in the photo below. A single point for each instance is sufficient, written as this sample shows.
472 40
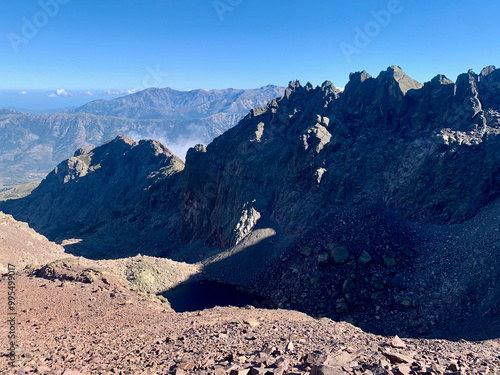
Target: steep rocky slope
30 251
112 189
361 204
428 153
20 245
30 145
381 174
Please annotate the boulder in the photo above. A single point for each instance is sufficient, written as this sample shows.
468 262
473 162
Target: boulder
340 254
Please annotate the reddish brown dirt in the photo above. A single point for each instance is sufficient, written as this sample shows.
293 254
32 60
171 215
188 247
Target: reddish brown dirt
104 328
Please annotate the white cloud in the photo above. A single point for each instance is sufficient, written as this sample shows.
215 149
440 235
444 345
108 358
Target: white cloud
63 92
59 92
179 147
120 92
89 93
23 93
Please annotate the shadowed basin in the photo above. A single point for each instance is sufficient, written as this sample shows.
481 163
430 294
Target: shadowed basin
199 295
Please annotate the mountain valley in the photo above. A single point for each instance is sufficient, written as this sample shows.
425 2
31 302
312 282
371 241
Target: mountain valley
375 206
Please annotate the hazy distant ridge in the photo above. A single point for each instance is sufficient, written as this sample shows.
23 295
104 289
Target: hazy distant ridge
31 145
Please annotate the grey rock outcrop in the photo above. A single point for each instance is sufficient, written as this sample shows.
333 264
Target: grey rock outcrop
387 139
110 191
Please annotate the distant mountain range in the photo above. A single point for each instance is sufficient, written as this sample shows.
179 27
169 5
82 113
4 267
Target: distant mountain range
164 103
30 145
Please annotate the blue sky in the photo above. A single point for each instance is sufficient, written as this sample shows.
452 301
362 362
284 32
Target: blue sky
186 44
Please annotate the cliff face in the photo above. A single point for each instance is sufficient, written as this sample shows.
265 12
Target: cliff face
380 186
430 153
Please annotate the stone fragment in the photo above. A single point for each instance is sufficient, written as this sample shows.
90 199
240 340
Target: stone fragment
42 369
327 370
261 357
231 367
453 366
395 357
268 351
317 359
210 362
252 322
364 257
323 259
283 362
307 251
348 286
406 303
389 261
437 369
277 371
396 342
343 359
402 370
340 254
186 366
240 372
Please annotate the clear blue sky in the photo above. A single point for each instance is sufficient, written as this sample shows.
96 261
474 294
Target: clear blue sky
89 44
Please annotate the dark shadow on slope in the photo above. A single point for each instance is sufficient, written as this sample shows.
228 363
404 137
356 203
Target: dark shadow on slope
423 295
98 247
207 294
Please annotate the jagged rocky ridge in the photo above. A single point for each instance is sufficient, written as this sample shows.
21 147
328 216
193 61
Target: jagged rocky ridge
428 153
380 173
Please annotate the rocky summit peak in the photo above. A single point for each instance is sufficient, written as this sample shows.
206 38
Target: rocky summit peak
404 82
356 80
81 151
294 85
157 146
125 139
359 77
194 151
442 80
488 70
326 84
